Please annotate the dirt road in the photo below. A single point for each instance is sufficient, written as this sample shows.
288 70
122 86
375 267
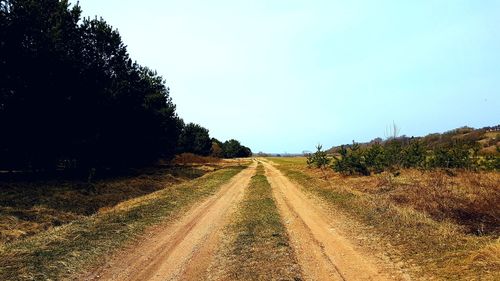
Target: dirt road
183 250
323 253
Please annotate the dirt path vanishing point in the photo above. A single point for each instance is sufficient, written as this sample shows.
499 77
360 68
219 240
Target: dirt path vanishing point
322 252
183 250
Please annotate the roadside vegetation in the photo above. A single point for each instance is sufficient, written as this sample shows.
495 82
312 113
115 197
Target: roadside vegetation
28 207
65 250
441 225
258 247
84 127
463 148
72 99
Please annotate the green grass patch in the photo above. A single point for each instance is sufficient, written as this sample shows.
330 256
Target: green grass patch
260 249
63 251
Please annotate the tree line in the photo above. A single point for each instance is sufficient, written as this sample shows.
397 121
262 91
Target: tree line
71 96
196 139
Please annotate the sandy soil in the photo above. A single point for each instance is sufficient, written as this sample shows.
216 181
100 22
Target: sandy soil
323 253
186 249
182 250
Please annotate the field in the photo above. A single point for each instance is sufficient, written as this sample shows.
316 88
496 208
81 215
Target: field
114 170
30 207
71 228
269 218
438 225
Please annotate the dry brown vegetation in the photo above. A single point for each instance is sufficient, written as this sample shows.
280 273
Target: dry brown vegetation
66 250
194 159
30 207
442 225
469 199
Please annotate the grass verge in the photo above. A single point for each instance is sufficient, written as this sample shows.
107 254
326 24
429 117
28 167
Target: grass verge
29 206
67 250
435 249
258 247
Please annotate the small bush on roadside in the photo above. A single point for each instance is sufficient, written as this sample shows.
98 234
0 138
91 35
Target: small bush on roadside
318 159
457 154
375 158
351 162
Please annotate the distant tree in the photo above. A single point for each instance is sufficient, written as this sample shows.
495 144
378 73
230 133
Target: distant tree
233 148
262 154
216 150
375 158
357 161
351 161
393 150
195 139
214 140
245 151
414 155
392 131
455 154
319 159
340 164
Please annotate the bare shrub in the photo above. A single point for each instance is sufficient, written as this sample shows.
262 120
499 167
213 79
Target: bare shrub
190 158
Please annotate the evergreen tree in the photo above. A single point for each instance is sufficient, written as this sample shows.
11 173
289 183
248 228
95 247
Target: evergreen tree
233 149
70 93
194 139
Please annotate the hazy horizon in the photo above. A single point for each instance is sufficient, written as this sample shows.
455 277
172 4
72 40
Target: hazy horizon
284 76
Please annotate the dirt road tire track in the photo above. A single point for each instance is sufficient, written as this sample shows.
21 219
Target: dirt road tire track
167 255
322 253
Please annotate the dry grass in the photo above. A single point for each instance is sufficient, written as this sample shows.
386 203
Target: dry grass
468 199
258 246
442 226
31 207
190 158
64 251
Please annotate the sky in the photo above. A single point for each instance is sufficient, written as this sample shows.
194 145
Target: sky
282 76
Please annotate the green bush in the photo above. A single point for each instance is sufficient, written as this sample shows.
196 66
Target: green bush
375 158
491 163
351 161
394 158
395 154
414 155
456 154
318 159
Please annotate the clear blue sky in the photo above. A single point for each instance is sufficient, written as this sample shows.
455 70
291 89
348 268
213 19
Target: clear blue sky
282 76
